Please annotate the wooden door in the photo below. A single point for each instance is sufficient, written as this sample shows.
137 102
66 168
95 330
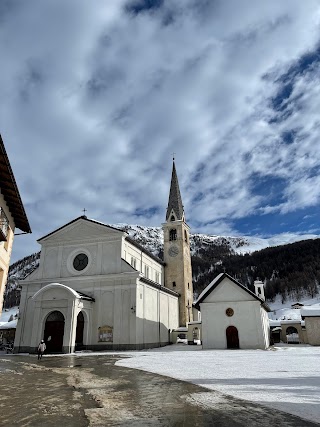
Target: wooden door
53 332
79 331
232 337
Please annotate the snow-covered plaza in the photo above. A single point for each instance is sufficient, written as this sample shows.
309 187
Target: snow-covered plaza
286 378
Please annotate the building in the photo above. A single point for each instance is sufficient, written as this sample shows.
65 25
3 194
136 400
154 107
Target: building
304 328
96 288
232 316
311 319
12 216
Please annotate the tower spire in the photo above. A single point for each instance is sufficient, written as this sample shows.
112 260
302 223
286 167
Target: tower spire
175 205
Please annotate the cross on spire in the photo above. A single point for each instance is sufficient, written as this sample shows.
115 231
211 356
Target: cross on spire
84 210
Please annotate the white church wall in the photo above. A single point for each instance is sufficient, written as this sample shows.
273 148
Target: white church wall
246 319
25 321
111 260
131 254
103 258
265 327
140 260
106 307
156 312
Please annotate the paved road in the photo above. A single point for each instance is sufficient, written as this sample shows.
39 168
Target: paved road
92 391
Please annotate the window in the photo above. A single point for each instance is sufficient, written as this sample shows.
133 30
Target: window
188 286
172 218
157 277
4 226
229 312
174 284
185 236
146 271
133 262
80 262
173 234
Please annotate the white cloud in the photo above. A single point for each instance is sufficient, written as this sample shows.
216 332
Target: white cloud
95 100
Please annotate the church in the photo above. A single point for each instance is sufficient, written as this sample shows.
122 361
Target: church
97 289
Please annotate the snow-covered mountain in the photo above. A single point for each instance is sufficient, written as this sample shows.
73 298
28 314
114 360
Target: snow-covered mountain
152 239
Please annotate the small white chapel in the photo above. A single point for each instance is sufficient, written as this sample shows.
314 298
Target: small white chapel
97 289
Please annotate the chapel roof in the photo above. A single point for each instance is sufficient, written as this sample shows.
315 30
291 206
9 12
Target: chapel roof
10 192
175 200
217 281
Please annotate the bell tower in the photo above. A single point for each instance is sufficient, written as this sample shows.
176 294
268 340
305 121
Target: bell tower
176 233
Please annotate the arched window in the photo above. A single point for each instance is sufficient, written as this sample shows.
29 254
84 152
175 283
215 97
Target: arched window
55 316
173 234
172 218
185 236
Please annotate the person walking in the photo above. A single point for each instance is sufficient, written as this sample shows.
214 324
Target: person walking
41 349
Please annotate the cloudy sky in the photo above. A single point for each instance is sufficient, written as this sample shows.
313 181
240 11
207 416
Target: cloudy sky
97 95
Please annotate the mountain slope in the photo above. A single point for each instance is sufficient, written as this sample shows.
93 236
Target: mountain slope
212 255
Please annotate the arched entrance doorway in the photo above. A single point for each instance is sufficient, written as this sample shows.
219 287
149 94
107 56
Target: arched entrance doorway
292 335
54 331
79 331
232 337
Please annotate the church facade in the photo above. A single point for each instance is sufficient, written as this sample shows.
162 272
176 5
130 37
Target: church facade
96 288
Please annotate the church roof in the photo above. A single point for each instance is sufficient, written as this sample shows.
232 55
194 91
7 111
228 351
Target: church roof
128 238
10 192
76 219
157 286
85 297
143 249
217 281
175 201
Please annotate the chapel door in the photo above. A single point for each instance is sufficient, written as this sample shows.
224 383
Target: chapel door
232 337
53 332
79 331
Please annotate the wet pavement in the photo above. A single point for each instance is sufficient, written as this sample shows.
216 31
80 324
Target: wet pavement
92 391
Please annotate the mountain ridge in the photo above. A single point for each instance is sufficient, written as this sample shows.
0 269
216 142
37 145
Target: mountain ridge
211 254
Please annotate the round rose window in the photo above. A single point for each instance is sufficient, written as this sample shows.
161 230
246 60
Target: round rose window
229 312
80 262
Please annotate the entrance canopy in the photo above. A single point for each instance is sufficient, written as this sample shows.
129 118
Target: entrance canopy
59 287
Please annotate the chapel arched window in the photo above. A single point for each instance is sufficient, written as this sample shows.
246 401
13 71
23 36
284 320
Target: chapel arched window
172 218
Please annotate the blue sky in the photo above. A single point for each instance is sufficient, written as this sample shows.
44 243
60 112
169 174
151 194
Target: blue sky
96 96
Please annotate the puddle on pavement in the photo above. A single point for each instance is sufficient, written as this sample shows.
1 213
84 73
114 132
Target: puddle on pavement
92 391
